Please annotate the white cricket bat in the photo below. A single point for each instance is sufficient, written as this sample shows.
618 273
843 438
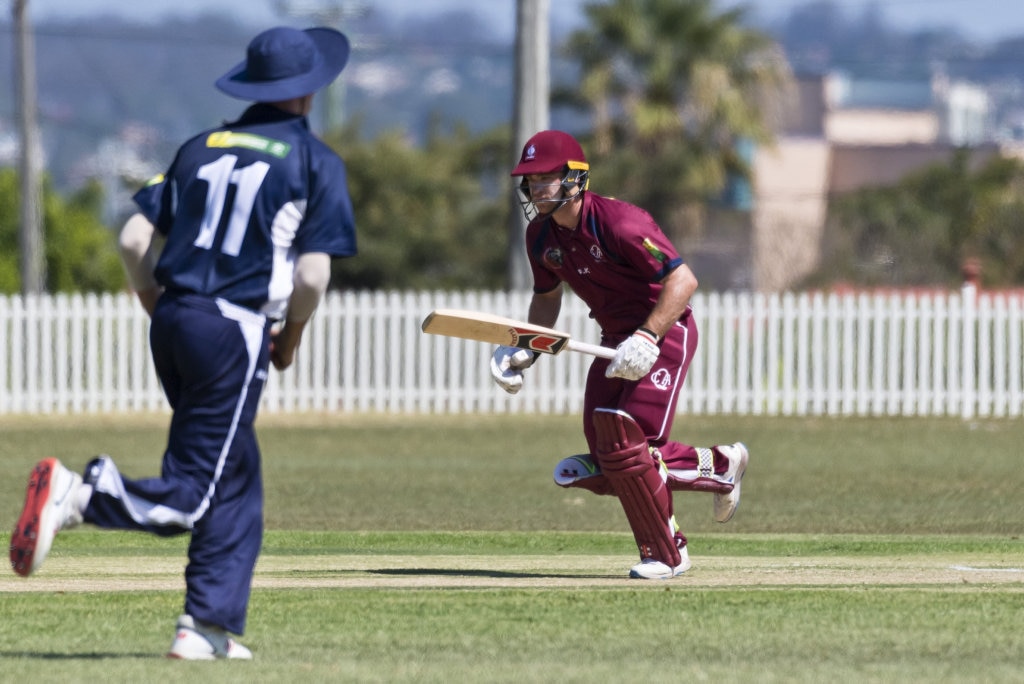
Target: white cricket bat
484 327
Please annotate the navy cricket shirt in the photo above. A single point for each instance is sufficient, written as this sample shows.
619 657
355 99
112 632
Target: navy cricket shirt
241 202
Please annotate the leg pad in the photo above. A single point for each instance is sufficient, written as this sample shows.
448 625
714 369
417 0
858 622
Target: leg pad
624 458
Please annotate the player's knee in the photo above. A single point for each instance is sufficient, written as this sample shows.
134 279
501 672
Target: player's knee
621 445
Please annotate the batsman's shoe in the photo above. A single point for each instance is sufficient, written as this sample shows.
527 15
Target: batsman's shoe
198 641
726 504
649 568
51 505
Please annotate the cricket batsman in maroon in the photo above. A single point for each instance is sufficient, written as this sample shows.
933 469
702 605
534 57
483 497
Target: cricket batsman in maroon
617 260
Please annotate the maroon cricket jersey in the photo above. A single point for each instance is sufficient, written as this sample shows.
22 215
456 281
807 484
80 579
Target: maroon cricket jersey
614 261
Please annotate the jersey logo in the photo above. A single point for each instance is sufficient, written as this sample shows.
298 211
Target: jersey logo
661 379
654 251
596 252
553 258
259 143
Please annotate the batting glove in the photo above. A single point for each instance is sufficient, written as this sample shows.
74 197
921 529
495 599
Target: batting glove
635 357
507 367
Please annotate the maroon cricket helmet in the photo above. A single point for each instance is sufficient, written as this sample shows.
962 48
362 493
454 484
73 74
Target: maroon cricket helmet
550 151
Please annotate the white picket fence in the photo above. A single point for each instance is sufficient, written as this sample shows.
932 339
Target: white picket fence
908 354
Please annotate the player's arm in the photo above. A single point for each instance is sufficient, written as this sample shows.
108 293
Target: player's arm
636 355
545 307
139 247
677 289
309 282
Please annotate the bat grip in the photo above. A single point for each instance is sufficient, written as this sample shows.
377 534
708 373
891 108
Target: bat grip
592 349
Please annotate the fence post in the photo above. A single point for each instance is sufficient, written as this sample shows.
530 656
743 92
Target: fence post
949 354
968 355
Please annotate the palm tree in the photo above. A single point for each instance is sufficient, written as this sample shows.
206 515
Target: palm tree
671 88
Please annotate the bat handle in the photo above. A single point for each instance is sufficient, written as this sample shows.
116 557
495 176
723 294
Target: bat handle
592 349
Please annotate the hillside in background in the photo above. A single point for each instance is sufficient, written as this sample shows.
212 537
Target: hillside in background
116 98
108 86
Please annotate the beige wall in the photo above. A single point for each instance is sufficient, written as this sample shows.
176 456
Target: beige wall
792 186
791 191
850 149
804 109
881 127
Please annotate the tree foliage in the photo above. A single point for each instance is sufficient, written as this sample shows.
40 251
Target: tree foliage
81 253
923 230
671 88
426 217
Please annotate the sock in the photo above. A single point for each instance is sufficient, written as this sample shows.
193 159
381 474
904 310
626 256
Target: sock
82 499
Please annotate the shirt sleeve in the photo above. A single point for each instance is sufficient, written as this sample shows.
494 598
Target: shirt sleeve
545 279
329 222
645 246
155 203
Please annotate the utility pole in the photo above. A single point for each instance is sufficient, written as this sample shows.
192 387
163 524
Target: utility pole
30 235
532 84
330 13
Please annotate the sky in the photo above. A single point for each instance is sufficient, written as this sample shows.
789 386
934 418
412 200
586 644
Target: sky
982 20
979 19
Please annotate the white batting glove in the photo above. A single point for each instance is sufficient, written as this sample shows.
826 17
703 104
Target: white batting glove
635 357
507 365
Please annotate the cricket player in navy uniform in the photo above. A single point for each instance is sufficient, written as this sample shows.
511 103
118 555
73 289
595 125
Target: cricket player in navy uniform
249 216
617 260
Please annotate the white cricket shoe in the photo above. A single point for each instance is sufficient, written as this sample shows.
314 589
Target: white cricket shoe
726 504
649 568
51 505
197 641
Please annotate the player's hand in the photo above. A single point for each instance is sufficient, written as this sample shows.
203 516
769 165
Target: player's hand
280 356
283 343
507 365
635 356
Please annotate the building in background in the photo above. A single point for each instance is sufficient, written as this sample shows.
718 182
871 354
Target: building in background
838 134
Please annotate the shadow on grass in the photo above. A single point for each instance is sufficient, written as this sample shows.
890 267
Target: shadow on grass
495 574
41 655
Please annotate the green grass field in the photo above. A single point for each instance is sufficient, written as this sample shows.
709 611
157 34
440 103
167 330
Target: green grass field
436 549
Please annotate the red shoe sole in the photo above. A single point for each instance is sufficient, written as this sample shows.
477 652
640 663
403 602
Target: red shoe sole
26 532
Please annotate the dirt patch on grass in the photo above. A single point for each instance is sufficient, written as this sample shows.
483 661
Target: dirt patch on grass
66 574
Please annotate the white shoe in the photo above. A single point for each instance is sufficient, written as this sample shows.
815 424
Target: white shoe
649 568
726 504
51 505
198 641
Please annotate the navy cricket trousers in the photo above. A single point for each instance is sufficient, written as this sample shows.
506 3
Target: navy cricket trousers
212 358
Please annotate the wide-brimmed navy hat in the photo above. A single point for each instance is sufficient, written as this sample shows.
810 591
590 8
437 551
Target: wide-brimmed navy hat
283 63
